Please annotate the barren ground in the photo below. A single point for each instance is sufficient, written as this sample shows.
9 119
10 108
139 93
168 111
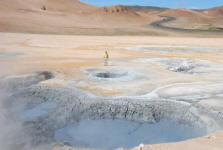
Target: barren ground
146 60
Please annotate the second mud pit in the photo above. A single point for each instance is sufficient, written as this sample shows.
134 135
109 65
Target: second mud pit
73 117
110 74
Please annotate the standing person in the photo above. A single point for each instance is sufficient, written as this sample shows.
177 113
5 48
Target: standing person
106 57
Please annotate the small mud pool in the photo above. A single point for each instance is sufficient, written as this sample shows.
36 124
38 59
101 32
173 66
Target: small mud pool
110 75
112 134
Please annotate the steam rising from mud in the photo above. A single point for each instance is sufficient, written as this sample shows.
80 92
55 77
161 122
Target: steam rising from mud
13 135
13 132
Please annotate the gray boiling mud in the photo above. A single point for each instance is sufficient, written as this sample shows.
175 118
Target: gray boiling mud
97 75
15 134
109 75
64 114
14 83
112 134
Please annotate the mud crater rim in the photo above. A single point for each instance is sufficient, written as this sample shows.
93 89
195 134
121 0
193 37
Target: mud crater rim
83 107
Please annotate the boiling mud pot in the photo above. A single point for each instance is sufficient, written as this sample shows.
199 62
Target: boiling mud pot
112 134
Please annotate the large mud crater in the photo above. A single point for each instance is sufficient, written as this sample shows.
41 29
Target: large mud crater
66 114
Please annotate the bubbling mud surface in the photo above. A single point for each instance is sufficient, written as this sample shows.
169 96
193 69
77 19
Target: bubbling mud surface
112 134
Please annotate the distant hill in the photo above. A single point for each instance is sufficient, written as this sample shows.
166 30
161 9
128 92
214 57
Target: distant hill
190 15
65 16
214 12
75 17
148 9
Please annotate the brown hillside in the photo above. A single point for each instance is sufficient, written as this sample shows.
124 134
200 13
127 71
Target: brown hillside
190 15
119 15
147 9
66 16
75 17
210 19
118 9
71 6
214 12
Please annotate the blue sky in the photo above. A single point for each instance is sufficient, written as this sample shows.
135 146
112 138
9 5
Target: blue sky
202 4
